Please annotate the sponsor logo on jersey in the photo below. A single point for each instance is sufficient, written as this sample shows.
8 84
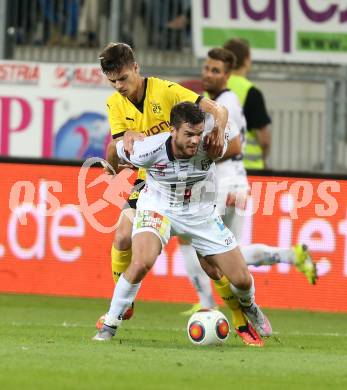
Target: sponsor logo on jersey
159 128
160 168
151 152
148 218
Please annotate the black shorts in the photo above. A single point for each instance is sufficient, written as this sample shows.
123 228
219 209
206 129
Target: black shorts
135 192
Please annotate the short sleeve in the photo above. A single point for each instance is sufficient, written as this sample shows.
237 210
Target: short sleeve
145 152
180 94
116 121
255 110
231 130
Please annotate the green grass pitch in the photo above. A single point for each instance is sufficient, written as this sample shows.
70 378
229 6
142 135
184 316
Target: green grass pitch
45 343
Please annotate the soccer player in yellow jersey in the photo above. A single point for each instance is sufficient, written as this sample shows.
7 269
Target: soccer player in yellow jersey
140 107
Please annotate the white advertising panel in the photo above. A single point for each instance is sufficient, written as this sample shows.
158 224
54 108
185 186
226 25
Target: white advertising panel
53 110
313 31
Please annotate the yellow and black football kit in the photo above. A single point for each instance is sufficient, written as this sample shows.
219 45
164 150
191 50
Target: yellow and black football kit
150 116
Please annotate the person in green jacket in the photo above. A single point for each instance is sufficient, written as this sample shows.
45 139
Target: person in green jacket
258 135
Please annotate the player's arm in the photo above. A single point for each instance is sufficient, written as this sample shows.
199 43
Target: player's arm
234 148
145 151
176 93
111 157
263 136
113 160
214 152
219 112
215 140
232 134
128 139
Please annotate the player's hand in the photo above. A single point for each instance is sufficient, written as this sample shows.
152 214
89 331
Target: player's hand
109 171
129 138
214 143
124 166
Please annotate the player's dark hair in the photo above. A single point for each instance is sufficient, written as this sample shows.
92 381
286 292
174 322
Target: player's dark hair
115 56
224 55
240 48
186 112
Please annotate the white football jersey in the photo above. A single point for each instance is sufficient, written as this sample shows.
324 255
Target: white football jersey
184 186
231 173
230 101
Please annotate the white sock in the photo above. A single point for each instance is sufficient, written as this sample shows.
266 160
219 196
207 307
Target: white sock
123 296
261 254
198 277
245 297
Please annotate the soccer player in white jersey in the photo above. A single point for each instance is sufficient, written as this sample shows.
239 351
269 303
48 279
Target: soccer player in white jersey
232 182
179 199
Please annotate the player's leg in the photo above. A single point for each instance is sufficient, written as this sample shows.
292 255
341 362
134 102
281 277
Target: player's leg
121 246
212 236
151 231
234 221
254 254
233 266
146 248
298 255
261 254
242 327
200 275
198 278
214 241
121 255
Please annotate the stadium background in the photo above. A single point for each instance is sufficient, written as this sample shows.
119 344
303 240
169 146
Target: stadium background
52 117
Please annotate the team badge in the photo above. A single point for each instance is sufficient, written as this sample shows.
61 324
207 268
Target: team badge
205 164
156 108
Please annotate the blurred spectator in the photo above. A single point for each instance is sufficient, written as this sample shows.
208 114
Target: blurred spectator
167 23
89 22
59 22
183 18
258 135
127 26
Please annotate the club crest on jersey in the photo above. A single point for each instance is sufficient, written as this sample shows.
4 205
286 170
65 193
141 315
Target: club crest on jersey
156 108
205 164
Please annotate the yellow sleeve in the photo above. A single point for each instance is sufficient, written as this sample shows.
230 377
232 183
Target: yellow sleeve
179 94
117 123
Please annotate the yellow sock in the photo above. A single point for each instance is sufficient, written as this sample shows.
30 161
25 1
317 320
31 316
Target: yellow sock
120 262
224 291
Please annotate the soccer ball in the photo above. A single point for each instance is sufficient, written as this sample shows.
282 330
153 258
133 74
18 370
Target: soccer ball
208 327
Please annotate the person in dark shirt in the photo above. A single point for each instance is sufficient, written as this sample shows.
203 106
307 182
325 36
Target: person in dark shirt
258 135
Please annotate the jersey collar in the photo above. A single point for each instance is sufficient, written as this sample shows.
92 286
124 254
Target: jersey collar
140 104
220 93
